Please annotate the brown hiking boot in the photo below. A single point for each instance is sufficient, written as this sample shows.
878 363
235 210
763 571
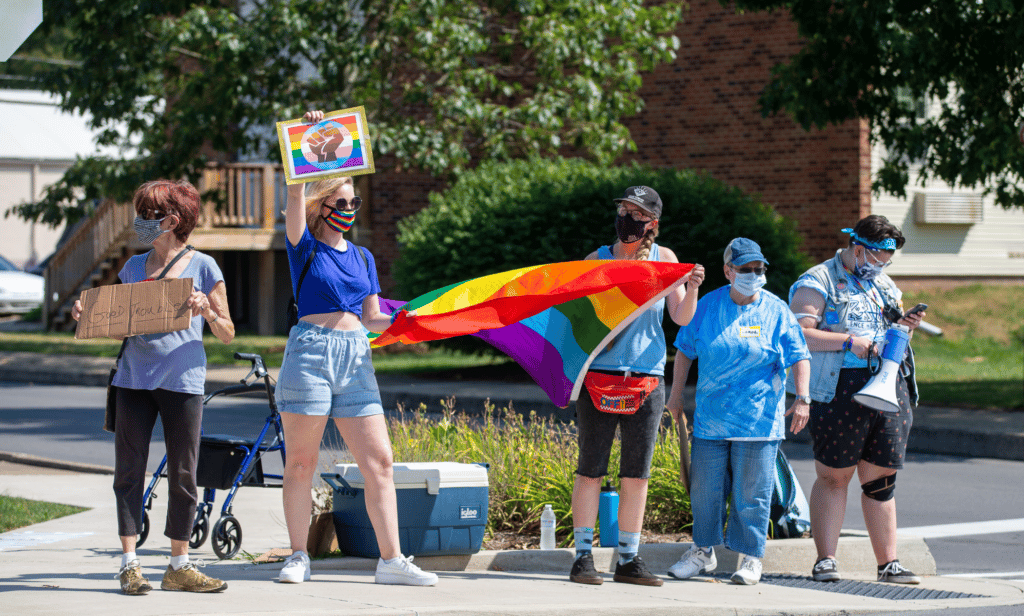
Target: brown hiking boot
190 579
132 582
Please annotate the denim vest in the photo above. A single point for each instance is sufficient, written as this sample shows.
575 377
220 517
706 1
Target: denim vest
825 365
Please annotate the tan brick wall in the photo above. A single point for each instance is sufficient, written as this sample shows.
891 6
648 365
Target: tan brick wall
701 112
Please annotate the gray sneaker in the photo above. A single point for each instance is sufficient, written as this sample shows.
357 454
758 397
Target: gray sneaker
825 570
896 573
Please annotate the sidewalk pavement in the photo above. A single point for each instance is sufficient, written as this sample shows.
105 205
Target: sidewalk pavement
937 430
68 565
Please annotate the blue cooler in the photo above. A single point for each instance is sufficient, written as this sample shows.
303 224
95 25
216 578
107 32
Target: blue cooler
442 508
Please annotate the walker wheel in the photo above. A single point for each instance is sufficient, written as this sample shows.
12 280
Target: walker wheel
200 530
226 537
144 533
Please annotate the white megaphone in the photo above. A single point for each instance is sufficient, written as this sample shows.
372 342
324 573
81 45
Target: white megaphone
880 392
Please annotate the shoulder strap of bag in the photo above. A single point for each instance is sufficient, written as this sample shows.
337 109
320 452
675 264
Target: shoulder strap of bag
305 268
181 254
366 262
178 256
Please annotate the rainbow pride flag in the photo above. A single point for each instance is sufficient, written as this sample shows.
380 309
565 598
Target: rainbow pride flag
303 166
553 320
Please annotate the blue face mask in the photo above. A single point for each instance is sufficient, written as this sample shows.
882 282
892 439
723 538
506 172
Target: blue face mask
749 283
148 230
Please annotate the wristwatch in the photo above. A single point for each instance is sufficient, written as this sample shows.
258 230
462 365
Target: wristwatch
804 399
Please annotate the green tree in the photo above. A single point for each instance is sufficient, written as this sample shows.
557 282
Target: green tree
446 83
878 59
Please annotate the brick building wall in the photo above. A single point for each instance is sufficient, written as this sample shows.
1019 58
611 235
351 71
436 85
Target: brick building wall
701 113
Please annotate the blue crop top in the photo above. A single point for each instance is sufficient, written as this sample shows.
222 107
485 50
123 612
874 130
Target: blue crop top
336 280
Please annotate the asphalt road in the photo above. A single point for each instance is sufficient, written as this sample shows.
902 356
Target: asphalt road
65 423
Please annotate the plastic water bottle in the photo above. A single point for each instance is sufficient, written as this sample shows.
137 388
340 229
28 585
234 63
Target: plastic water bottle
547 528
608 514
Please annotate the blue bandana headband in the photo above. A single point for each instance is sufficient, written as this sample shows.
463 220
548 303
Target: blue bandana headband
886 244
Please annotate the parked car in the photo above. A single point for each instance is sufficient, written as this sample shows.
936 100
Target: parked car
20 291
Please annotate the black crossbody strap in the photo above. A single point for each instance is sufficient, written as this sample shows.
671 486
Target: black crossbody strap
178 256
305 268
181 254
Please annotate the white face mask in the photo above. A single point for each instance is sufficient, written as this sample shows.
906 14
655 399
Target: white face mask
870 270
747 284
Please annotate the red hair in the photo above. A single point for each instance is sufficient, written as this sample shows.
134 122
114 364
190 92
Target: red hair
164 197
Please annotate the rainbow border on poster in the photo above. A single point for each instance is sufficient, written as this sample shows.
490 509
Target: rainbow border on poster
297 169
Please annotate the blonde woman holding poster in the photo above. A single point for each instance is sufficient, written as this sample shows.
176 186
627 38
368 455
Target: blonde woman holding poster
327 372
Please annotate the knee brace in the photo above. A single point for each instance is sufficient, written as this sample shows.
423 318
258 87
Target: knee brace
880 489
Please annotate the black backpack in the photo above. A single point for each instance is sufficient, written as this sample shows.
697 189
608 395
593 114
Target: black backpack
293 307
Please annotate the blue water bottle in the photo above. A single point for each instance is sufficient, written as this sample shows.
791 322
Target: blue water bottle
608 514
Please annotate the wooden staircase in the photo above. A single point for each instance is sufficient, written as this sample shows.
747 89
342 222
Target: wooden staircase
91 257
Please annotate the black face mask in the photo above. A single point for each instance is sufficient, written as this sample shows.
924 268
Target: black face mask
629 230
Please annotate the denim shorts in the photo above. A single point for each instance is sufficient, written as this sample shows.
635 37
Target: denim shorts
638 432
327 372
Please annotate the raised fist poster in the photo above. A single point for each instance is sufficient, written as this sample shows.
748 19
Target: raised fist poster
336 146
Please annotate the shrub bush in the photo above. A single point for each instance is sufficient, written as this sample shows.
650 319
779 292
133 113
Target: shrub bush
532 462
502 216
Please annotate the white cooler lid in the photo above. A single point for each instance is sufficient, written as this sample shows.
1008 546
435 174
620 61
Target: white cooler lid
430 475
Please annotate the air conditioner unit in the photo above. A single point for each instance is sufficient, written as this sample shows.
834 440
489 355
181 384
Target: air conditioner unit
947 208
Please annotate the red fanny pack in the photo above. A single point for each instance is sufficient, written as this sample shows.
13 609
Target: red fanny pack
612 393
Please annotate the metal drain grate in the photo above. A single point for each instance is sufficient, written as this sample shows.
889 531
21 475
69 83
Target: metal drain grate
878 590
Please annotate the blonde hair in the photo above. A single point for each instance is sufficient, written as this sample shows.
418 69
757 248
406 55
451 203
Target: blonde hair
317 194
645 244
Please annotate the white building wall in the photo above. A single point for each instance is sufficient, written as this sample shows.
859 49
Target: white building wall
26 244
38 142
992 247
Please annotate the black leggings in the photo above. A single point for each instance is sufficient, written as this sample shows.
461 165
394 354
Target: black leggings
182 418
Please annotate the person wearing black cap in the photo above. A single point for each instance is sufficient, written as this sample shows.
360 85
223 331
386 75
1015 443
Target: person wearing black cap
636 355
845 306
745 338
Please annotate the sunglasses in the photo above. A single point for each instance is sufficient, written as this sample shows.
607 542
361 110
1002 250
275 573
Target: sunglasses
759 271
343 204
637 215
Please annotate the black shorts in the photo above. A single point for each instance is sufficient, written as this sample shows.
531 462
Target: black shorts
638 432
845 432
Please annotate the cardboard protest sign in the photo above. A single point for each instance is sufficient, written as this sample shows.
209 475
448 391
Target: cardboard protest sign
118 310
338 145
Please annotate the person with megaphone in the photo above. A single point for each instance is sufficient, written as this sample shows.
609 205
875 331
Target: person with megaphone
861 389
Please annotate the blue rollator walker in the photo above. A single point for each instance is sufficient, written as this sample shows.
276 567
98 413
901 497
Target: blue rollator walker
227 463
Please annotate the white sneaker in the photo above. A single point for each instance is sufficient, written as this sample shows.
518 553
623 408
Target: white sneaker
695 560
402 571
296 569
749 572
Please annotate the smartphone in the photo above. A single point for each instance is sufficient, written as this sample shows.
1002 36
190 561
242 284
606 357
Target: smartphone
917 308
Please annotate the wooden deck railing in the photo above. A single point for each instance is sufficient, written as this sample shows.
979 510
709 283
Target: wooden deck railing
253 197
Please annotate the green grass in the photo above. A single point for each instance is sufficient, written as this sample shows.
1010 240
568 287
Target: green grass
18 512
978 362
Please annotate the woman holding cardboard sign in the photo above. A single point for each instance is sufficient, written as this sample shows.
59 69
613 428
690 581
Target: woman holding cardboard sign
327 372
165 375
